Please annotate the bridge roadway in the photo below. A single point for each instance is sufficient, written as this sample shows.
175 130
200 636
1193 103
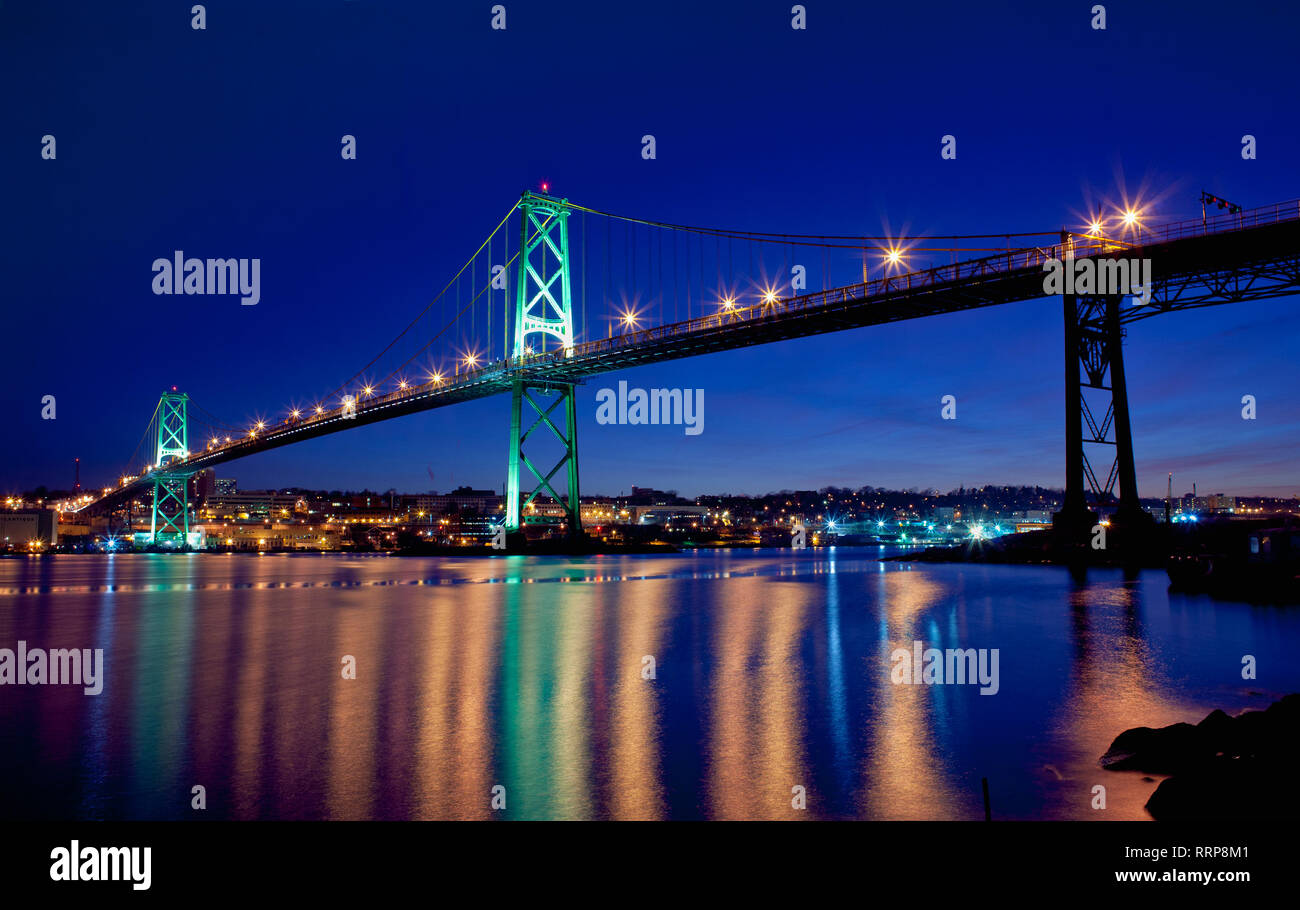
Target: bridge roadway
1229 258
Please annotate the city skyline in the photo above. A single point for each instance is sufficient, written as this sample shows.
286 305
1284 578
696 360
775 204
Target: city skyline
52 493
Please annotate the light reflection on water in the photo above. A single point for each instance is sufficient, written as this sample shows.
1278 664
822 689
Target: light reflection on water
697 685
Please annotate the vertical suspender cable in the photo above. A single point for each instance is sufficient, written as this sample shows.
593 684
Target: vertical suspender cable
584 275
688 276
751 260
702 276
676 318
605 271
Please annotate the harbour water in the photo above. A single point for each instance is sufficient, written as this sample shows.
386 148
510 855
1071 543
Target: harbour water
708 684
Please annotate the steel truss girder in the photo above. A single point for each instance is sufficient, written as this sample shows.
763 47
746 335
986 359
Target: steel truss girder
1191 290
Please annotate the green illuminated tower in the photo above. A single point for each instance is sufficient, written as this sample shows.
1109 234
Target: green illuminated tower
171 487
543 307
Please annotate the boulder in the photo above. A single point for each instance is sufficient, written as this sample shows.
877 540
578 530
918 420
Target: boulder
1226 768
1228 789
1156 751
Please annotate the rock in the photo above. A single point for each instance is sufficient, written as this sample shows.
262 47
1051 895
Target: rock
1161 751
1216 723
1225 767
1228 789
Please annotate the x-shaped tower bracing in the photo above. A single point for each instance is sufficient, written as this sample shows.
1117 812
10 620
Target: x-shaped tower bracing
543 307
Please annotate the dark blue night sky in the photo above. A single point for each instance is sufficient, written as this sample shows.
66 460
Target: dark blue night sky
225 142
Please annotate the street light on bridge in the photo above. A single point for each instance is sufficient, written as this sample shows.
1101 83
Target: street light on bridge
1131 219
629 319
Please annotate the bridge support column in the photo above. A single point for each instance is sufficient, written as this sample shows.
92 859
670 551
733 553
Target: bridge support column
171 497
1094 361
543 311
1130 505
543 399
1074 514
171 509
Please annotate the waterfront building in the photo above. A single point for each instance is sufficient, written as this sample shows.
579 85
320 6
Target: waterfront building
20 527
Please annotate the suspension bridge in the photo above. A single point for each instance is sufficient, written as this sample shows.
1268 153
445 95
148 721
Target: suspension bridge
693 300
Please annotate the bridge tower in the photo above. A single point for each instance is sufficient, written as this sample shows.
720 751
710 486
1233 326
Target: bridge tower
1094 360
171 514
543 309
